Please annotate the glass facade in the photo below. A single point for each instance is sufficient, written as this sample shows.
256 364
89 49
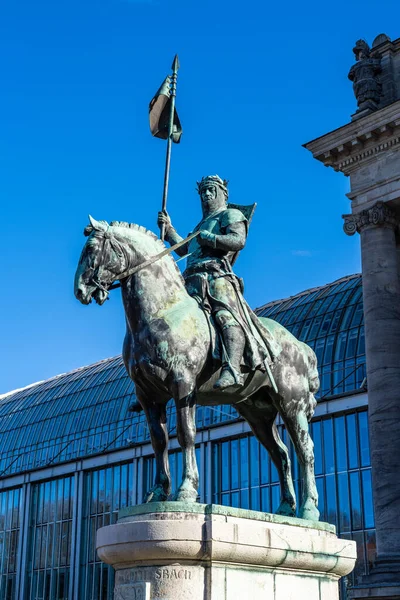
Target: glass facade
50 536
105 492
90 455
244 476
330 319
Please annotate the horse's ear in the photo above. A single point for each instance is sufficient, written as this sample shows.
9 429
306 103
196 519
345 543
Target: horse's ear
97 225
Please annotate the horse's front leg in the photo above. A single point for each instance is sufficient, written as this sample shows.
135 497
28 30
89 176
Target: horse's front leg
186 430
157 421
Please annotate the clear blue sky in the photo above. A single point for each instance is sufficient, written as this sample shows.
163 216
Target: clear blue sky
258 79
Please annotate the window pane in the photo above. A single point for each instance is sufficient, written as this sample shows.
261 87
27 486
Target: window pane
364 439
265 500
225 466
328 446
369 520
331 508
344 503
244 462
316 436
255 498
340 345
225 499
234 464
352 343
340 443
216 470
244 498
254 461
355 500
352 441
235 500
264 458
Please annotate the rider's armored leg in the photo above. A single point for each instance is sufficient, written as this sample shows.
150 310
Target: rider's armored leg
234 343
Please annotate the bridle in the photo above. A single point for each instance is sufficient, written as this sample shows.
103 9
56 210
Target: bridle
96 280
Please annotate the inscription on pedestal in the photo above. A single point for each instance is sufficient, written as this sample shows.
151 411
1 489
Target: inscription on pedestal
160 582
172 573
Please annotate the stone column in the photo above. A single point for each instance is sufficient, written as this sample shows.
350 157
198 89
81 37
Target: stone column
398 259
381 292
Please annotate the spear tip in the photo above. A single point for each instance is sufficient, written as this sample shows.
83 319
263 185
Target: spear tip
175 64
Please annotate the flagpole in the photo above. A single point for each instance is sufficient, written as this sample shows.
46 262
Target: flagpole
175 68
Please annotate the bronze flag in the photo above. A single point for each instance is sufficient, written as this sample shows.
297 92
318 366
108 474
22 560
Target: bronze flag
159 114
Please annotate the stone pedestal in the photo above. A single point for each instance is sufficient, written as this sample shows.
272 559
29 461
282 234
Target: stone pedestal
176 551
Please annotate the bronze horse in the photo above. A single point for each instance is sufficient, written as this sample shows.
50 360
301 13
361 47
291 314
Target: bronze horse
168 354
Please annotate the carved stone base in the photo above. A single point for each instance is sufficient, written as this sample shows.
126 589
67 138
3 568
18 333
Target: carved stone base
383 583
374 592
177 551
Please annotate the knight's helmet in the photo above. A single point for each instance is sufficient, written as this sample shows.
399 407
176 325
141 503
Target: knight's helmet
361 46
213 180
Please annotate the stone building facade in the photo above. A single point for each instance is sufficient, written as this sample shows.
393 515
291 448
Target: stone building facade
367 150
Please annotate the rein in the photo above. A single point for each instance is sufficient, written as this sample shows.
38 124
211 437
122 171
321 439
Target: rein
145 264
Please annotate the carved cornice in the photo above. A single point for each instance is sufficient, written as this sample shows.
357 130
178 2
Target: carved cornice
379 215
346 162
355 144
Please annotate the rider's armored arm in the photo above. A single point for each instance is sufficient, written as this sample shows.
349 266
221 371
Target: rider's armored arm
234 239
172 238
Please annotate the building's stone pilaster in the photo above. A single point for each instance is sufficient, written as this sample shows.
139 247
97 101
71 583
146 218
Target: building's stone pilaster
381 291
398 259
367 150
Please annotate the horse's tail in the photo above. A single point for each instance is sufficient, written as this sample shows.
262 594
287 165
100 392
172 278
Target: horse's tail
313 382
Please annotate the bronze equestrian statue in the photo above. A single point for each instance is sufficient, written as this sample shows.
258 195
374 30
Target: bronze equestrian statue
194 339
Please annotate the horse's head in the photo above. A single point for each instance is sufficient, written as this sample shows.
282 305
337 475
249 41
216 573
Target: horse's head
103 259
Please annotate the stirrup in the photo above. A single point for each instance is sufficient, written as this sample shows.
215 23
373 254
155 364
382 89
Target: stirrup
229 378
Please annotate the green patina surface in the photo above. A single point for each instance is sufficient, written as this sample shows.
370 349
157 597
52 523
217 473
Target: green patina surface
226 511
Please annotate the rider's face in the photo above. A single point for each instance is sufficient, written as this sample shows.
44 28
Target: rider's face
209 199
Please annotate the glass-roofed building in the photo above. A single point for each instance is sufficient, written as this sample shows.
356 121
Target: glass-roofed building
72 454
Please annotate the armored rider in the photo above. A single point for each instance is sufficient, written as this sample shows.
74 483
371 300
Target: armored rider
209 278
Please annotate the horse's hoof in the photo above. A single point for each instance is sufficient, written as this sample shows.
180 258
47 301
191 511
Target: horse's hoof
286 510
156 494
309 512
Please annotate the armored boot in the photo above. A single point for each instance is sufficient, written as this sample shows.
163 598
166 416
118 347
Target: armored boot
234 342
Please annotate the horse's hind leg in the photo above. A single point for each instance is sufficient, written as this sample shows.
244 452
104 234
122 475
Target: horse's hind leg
157 421
298 430
262 423
186 430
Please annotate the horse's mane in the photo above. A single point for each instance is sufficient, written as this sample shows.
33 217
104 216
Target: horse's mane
141 229
149 233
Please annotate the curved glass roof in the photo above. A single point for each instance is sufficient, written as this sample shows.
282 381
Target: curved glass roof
86 411
330 319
